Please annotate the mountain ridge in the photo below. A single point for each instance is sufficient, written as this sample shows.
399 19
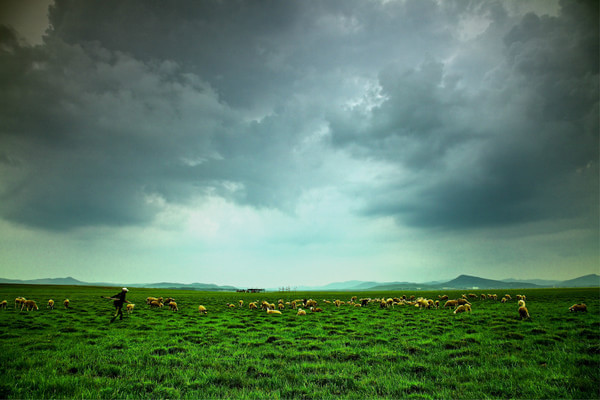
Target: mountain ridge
460 282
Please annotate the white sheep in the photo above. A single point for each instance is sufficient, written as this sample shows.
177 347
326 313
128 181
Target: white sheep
463 308
130 307
202 310
3 304
29 305
50 304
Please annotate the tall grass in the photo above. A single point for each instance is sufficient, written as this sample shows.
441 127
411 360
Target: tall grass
346 352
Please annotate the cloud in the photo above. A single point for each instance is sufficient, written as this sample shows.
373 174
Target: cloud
509 152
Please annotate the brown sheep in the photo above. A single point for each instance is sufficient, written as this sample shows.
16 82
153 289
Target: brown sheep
442 298
281 306
173 306
508 296
523 313
202 310
156 304
462 302
472 295
483 296
3 304
29 305
66 303
253 306
463 308
316 309
270 311
150 300
578 308
301 312
50 304
451 304
130 307
19 302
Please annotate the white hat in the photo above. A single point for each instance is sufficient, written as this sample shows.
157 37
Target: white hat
125 289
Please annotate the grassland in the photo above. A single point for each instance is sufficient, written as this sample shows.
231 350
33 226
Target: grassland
348 352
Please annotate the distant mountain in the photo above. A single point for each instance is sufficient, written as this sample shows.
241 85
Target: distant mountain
474 282
592 280
46 281
540 282
160 285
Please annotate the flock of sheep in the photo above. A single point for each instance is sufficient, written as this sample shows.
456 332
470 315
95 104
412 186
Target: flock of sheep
459 305
28 305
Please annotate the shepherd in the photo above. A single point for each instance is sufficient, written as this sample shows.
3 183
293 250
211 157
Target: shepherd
119 300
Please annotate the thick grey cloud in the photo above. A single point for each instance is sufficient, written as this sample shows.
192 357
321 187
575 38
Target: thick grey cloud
487 117
523 147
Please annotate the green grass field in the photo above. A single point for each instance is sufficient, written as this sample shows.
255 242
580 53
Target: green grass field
401 352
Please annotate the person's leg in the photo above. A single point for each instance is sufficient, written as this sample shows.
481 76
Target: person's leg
116 313
120 313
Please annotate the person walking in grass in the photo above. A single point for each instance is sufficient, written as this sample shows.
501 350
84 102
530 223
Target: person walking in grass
119 300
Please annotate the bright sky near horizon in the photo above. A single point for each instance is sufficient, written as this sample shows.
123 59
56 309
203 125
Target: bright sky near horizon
271 143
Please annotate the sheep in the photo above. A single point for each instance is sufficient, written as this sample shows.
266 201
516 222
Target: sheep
19 301
451 304
270 311
281 306
521 303
66 303
442 298
364 302
253 306
422 303
156 304
316 309
50 304
508 296
358 305
173 306
463 308
504 300
301 312
483 296
130 307
338 303
310 303
150 300
578 307
523 313
29 305
437 304
3 304
462 302
472 295
202 310
241 303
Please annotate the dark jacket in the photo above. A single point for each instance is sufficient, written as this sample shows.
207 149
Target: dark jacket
119 299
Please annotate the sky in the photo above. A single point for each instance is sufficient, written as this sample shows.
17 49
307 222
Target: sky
287 143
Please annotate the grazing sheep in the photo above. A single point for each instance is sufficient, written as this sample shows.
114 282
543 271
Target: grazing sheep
364 302
66 303
523 313
521 303
508 296
173 306
301 312
462 302
437 304
442 298
156 304
358 305
483 296
19 301
578 307
422 303
472 295
270 311
130 307
241 303
3 304
316 309
503 300
463 308
29 305
281 306
253 306
202 310
50 304
150 300
451 304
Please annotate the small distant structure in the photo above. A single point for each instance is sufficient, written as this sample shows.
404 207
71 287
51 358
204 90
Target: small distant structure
251 290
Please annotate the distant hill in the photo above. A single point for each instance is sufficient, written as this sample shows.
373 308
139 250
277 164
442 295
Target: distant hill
540 282
160 285
474 282
592 280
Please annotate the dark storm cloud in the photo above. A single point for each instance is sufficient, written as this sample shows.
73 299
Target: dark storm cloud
130 105
523 148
